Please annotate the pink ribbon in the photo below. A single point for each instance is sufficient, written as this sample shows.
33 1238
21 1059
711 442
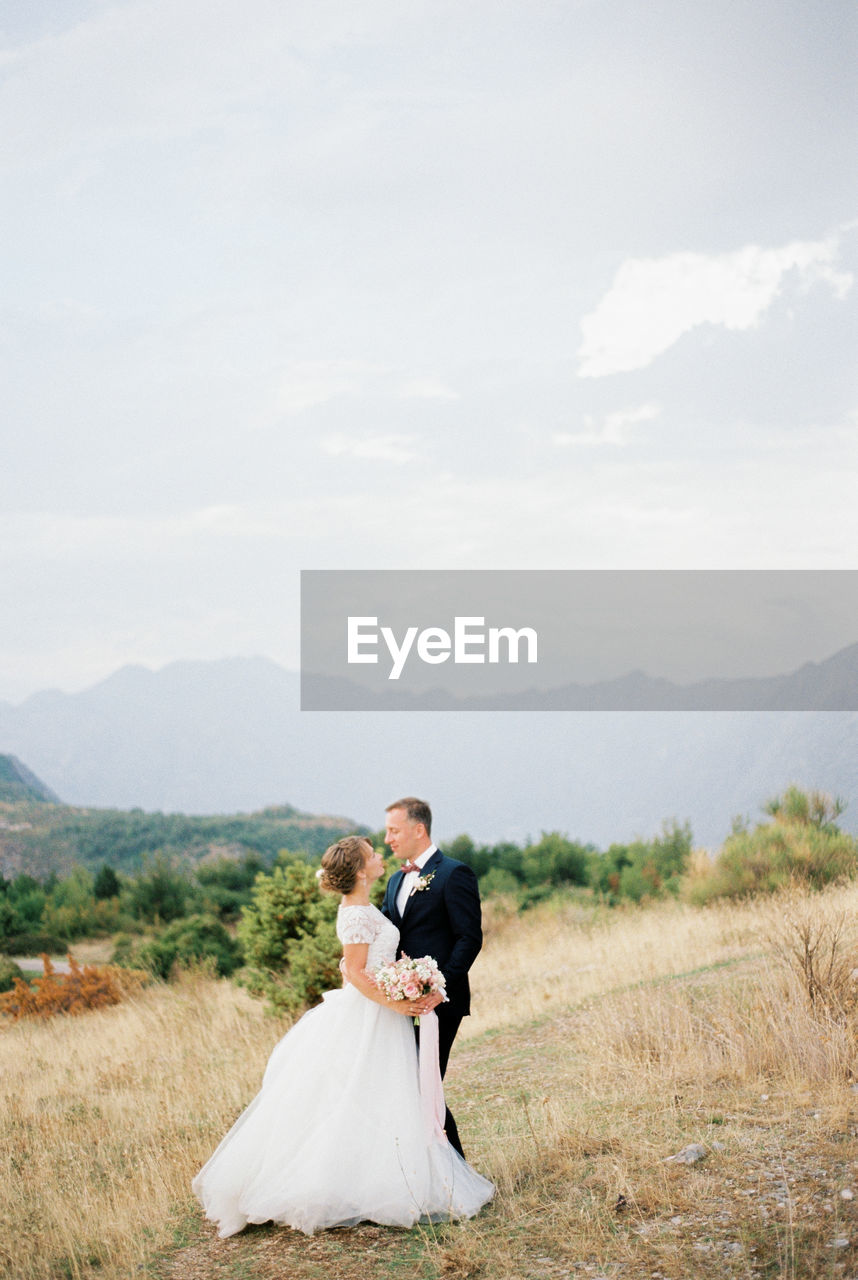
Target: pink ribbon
431 1088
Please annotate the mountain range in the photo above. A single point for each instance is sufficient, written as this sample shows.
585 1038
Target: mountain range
227 736
830 685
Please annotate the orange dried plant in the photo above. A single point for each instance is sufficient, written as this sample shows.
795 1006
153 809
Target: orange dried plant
84 987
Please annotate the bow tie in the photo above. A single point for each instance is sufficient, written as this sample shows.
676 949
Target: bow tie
410 866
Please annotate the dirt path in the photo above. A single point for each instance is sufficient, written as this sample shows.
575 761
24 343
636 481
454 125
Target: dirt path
32 964
275 1253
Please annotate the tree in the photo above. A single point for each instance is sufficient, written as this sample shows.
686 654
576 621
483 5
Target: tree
161 894
643 868
554 860
806 808
228 883
27 898
289 938
284 903
106 884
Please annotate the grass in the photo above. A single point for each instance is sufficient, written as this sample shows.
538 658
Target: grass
601 1044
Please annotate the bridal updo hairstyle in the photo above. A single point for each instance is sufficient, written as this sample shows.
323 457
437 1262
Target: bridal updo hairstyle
341 864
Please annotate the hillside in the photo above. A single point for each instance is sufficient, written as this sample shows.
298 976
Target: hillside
18 784
41 838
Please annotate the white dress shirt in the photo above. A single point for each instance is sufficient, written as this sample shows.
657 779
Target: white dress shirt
410 878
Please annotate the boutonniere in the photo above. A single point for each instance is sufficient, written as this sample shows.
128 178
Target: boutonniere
423 883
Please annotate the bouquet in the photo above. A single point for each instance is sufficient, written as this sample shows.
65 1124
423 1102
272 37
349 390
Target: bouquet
408 979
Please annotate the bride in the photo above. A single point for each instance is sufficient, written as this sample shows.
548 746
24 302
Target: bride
336 1134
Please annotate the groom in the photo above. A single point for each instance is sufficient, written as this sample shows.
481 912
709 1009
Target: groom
434 901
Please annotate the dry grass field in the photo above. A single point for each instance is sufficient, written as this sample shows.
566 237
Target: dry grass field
602 1044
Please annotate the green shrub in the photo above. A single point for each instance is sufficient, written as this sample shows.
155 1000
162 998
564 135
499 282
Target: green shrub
312 968
285 903
498 881
532 895
289 937
123 950
9 971
162 893
33 944
189 941
801 845
644 868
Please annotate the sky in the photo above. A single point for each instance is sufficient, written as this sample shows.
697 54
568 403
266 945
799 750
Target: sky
284 286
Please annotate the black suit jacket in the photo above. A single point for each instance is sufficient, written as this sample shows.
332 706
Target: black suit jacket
444 921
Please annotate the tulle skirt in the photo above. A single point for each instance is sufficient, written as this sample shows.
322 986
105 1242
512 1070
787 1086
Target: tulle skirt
336 1135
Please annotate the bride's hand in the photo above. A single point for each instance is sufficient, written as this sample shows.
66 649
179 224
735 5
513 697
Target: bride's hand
428 1003
411 1008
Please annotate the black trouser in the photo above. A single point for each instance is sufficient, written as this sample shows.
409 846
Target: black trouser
448 1025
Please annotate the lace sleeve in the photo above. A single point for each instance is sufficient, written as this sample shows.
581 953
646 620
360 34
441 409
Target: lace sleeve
356 924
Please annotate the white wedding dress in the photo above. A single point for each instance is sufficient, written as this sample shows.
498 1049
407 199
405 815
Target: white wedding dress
336 1134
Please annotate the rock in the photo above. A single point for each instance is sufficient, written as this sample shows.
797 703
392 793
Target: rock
688 1155
847 1194
840 1242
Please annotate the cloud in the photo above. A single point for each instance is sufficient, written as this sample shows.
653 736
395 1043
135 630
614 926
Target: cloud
654 301
308 384
426 389
390 448
613 430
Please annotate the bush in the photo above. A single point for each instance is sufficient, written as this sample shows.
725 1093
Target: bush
163 893
123 950
532 895
498 881
289 938
83 988
313 967
227 885
9 971
33 944
27 905
644 868
285 904
192 940
801 845
817 947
